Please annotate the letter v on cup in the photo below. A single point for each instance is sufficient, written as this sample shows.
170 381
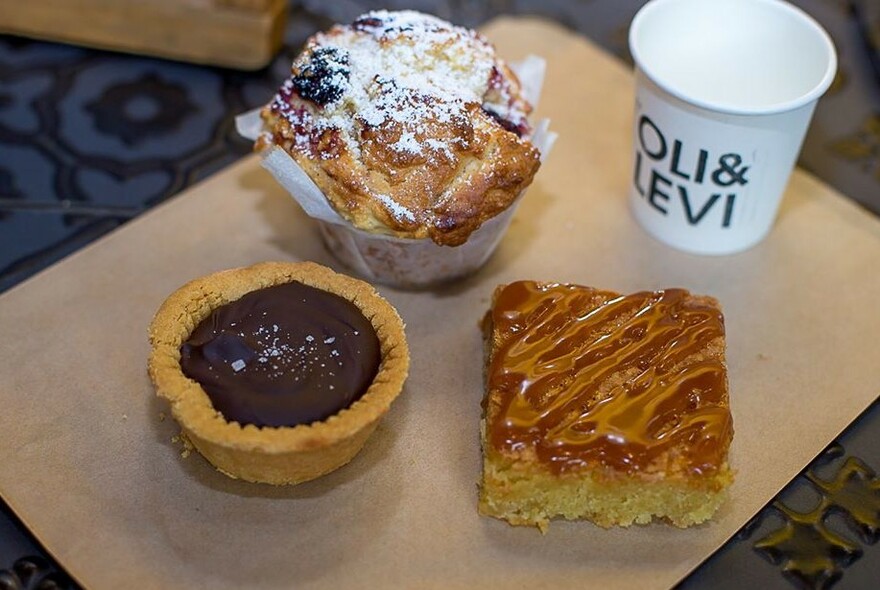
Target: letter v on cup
725 90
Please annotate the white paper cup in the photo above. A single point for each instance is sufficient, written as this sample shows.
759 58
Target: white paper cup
725 90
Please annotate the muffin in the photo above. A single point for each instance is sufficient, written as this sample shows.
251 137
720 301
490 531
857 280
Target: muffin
412 129
278 372
606 407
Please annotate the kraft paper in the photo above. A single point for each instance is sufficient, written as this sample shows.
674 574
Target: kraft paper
88 458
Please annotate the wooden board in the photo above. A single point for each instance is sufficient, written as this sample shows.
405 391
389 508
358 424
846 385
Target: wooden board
242 34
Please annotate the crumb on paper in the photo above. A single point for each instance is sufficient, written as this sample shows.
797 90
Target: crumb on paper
161 416
763 357
182 440
125 416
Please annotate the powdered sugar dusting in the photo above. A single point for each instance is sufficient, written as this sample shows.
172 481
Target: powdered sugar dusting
406 69
408 142
410 82
399 212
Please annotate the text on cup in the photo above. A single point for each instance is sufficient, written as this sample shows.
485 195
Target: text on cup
661 167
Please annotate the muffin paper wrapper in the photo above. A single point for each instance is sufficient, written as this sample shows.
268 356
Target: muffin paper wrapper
386 259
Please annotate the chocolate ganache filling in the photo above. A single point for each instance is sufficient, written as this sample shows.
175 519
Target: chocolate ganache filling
284 355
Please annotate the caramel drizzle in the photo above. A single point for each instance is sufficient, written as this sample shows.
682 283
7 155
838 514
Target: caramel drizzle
586 376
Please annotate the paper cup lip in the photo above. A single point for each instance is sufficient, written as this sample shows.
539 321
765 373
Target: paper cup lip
806 98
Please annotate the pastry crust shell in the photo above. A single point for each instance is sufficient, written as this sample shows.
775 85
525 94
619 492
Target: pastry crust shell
282 455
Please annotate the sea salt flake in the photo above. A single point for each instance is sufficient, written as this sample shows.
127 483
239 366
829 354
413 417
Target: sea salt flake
329 340
238 365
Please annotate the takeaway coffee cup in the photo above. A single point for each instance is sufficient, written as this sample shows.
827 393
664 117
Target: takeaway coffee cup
725 90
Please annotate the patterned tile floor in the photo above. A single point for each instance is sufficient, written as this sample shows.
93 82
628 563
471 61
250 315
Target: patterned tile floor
90 139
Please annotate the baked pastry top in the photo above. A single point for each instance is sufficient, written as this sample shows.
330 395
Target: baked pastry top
245 344
604 406
412 127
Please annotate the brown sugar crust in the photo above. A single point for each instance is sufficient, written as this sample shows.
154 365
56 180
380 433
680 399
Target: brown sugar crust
400 158
606 407
276 455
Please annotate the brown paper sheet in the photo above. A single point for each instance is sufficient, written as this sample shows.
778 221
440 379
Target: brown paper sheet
87 463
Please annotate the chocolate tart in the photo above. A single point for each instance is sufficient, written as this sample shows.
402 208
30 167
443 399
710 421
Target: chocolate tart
257 448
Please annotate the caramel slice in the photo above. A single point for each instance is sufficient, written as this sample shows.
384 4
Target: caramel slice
603 406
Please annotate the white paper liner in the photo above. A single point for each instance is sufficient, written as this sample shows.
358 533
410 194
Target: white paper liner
394 261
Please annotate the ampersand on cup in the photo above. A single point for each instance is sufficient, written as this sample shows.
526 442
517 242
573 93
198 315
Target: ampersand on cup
689 173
